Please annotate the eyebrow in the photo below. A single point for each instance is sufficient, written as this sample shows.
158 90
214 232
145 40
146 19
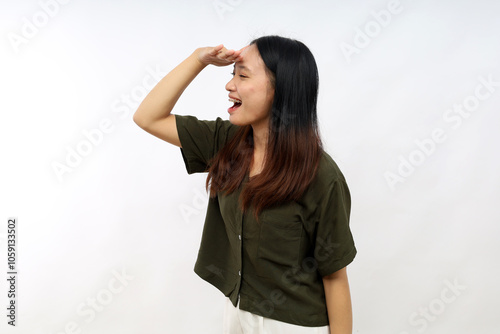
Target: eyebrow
243 67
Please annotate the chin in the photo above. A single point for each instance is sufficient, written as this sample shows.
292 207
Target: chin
234 120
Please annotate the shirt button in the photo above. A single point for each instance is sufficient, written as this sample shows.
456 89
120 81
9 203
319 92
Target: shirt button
239 272
239 236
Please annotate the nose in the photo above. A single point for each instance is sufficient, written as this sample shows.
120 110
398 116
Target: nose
230 85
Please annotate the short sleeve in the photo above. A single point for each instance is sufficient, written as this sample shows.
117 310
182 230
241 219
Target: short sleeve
201 140
334 244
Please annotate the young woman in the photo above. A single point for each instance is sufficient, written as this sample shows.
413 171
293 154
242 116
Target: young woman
276 239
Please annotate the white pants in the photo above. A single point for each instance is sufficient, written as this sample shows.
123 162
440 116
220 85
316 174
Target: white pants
237 321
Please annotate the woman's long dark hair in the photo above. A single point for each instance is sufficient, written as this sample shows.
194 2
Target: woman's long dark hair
294 145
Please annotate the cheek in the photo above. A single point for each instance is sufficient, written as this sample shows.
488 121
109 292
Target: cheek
260 95
270 97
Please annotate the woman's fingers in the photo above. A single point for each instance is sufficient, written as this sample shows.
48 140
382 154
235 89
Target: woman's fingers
240 54
219 55
238 57
243 48
217 49
227 56
233 55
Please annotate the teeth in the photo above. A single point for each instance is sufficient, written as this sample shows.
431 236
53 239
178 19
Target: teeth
235 100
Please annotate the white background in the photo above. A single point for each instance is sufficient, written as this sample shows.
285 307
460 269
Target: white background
129 206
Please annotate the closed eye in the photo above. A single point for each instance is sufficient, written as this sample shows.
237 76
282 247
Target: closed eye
241 75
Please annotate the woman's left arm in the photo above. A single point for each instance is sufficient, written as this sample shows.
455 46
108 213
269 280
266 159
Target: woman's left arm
338 302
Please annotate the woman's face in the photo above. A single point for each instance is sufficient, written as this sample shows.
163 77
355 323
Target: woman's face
251 89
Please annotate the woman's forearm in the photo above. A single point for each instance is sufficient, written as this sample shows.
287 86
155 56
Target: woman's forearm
162 98
338 302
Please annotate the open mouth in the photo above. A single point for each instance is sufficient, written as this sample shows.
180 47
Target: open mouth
236 105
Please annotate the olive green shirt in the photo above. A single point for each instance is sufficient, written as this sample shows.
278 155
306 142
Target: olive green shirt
276 266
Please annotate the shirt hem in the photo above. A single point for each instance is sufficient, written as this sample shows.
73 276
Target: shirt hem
248 304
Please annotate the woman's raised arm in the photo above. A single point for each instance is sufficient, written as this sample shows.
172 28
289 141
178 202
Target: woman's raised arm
154 113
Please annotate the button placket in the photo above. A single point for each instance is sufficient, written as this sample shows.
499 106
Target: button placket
241 245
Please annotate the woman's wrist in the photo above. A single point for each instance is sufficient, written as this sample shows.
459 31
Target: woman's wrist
197 56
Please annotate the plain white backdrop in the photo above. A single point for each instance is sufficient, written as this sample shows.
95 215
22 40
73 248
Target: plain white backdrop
109 221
